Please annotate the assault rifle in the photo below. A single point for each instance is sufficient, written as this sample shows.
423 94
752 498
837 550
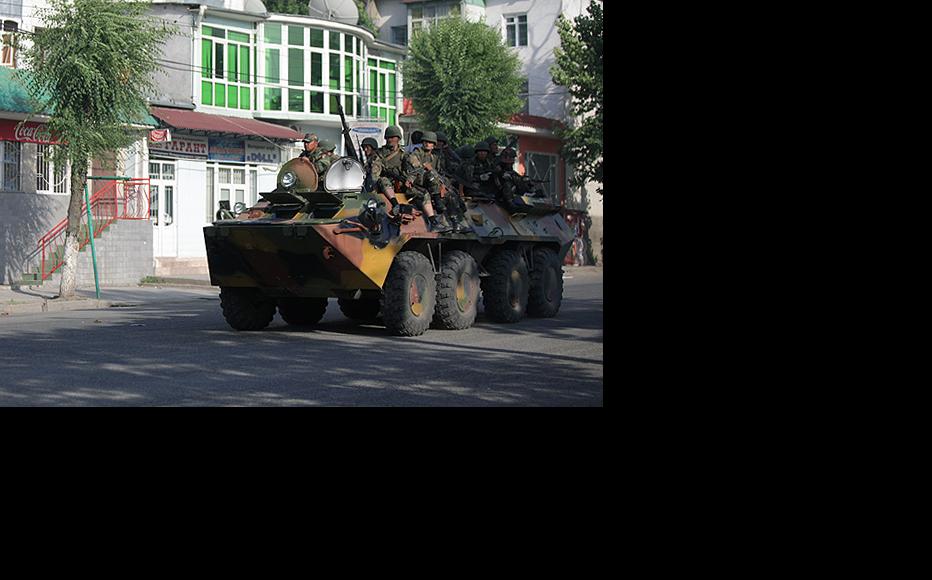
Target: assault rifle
347 140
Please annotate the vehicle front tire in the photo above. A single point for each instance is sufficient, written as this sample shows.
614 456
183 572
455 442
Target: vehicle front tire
302 311
409 295
505 290
546 292
457 292
246 308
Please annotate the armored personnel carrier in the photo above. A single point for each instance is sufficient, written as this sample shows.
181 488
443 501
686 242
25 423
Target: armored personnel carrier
302 244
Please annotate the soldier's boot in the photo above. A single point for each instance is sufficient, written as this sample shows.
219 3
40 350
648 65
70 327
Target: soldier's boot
460 225
439 226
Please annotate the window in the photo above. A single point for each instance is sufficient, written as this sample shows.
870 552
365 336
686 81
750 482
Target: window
516 30
8 44
10 155
49 177
422 17
382 90
400 35
226 66
544 167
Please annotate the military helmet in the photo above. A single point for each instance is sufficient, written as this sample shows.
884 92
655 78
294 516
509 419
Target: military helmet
429 136
491 140
309 137
482 146
393 131
441 136
370 142
507 152
466 151
327 145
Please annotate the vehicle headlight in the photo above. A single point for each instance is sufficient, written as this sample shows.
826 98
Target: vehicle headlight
288 179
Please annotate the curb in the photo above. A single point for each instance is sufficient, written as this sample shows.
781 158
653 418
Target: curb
47 305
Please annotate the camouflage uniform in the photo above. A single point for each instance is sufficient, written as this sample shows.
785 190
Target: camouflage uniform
322 160
510 184
387 168
420 168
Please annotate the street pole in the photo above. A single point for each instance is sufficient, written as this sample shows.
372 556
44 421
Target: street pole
90 234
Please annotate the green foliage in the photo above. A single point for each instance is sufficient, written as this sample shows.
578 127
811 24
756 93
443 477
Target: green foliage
287 6
462 79
579 68
91 66
364 19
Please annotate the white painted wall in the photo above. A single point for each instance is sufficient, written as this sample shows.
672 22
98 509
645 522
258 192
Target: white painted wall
190 207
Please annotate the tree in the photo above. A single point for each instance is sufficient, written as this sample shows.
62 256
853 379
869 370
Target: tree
287 6
579 68
91 66
462 79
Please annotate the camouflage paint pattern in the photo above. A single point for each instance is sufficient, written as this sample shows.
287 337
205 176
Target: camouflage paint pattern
303 255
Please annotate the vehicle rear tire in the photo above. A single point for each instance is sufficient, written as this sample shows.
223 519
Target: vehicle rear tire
409 295
457 292
246 308
302 311
505 290
362 310
546 292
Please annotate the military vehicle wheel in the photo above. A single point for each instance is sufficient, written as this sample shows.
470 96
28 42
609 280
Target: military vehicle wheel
409 294
457 291
363 310
246 308
505 290
546 292
302 311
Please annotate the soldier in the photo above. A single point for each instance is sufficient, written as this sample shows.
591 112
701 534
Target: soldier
448 166
415 141
479 171
310 145
370 148
386 166
323 159
510 184
493 148
448 161
423 181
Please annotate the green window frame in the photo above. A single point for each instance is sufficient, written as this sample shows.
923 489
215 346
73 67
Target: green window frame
226 68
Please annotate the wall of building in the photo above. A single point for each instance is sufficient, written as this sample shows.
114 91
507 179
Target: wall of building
175 83
24 218
124 255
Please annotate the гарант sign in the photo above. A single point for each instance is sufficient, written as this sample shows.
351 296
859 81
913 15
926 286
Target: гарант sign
226 149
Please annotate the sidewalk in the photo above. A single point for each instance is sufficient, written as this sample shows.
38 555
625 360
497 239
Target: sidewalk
15 300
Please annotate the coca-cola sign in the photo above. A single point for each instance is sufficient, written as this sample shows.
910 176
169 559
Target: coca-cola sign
28 132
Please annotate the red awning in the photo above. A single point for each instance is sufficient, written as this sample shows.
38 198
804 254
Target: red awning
193 121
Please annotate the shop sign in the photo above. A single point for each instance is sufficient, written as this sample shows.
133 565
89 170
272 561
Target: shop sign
359 130
226 150
180 147
28 132
160 136
262 153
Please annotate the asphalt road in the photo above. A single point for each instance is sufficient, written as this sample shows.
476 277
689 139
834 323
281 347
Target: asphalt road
179 351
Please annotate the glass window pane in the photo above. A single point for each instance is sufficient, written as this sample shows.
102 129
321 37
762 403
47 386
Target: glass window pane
239 176
373 111
273 33
348 72
207 58
272 65
373 85
240 195
168 171
295 67
244 101
169 204
220 95
382 98
296 100
334 106
238 37
218 61
154 203
244 64
273 99
522 33
348 43
207 93
348 106
334 41
391 116
391 89
225 175
510 41
224 194
317 37
334 70
231 62
232 96
317 102
387 64
295 35
317 69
